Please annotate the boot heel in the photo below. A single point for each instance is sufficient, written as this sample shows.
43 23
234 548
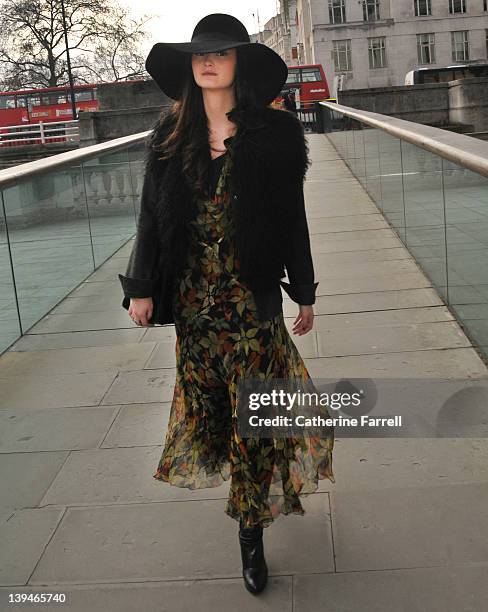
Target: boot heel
254 568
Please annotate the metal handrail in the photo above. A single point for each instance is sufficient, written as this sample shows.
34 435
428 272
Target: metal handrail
463 150
17 134
11 176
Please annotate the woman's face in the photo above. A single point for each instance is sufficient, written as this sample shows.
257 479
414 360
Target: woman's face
221 64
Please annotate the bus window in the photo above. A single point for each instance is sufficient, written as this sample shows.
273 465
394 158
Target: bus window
310 75
34 101
21 102
48 99
62 99
293 76
80 96
8 102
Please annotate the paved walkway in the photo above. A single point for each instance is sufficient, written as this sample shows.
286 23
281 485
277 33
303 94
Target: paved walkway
85 399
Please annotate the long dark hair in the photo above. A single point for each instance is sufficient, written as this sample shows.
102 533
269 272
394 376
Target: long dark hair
189 137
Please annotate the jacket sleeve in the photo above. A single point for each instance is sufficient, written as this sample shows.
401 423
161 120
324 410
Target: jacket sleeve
299 264
141 274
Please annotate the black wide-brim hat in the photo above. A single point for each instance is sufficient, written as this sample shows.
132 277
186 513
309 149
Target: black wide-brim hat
168 63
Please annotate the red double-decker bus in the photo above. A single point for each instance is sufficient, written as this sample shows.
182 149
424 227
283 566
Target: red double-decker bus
47 104
309 84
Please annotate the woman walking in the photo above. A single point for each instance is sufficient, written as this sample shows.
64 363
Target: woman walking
222 215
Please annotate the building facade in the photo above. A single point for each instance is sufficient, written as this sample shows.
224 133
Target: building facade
279 33
375 43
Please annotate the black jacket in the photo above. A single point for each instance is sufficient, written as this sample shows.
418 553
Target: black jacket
269 163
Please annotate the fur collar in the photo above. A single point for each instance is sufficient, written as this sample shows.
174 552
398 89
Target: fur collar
270 135
269 162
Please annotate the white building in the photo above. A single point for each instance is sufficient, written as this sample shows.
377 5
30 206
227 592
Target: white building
374 43
279 33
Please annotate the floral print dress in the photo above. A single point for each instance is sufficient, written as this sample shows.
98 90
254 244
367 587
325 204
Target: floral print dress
219 339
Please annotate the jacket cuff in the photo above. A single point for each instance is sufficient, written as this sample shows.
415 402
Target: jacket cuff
137 287
301 294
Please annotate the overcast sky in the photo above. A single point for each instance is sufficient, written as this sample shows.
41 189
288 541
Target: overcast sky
174 20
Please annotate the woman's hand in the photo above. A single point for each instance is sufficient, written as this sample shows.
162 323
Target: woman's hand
304 321
140 310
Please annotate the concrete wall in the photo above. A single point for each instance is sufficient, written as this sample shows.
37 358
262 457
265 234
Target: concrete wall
468 102
102 126
427 104
130 95
124 109
458 102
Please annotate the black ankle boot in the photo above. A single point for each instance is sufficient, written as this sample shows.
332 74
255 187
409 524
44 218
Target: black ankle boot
254 568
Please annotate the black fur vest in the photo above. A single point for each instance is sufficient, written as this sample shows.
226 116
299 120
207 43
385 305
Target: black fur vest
270 159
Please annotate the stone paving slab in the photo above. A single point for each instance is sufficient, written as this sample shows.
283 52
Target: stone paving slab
116 358
84 321
118 476
366 268
390 339
54 390
371 464
380 301
53 429
42 342
387 318
93 303
171 595
413 526
27 476
335 242
137 542
352 223
24 536
372 255
366 284
441 363
137 425
141 386
433 589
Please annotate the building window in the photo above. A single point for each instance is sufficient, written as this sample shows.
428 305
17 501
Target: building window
457 6
337 11
377 52
422 8
426 48
341 53
485 5
460 46
486 41
371 10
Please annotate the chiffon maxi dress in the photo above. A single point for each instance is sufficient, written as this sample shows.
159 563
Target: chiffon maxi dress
219 339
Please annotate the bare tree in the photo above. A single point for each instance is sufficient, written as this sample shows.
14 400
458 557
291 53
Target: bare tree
103 43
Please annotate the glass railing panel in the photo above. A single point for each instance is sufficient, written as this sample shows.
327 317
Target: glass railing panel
110 202
10 328
390 164
57 227
49 238
372 165
359 161
424 212
466 201
136 155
